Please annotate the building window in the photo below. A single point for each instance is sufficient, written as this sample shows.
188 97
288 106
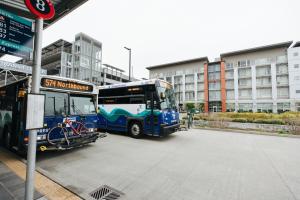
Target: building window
230 94
229 65
264 93
298 91
243 63
283 92
169 79
245 107
298 107
296 66
230 107
245 94
215 106
296 54
297 78
189 96
265 107
283 107
200 96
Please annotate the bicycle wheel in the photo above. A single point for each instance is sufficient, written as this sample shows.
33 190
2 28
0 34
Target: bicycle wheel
54 135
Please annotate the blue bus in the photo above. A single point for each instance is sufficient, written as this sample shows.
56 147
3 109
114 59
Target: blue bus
70 114
137 108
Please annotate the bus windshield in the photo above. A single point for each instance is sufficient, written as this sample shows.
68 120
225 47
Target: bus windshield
169 101
82 105
57 103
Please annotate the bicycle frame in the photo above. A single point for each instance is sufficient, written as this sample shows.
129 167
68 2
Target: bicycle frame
75 130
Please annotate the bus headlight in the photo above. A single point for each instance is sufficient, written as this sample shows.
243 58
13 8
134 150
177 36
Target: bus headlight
91 130
41 137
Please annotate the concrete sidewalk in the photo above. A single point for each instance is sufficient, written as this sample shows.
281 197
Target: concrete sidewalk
12 181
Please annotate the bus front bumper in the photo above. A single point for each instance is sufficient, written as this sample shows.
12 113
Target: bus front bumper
167 130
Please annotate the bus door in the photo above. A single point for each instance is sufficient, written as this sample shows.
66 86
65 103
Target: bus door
151 104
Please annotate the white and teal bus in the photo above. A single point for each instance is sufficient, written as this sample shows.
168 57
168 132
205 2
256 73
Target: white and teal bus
140 107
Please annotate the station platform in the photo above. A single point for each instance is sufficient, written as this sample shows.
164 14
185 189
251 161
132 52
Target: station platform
12 181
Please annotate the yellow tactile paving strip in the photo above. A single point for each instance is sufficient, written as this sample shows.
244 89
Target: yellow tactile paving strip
45 186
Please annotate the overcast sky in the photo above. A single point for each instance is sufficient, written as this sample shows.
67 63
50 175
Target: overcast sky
161 31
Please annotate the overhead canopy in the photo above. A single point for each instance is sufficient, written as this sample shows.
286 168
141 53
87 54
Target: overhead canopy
62 8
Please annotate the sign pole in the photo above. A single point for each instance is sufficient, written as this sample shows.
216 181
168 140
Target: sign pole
36 78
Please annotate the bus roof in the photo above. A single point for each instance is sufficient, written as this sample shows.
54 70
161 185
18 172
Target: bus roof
134 83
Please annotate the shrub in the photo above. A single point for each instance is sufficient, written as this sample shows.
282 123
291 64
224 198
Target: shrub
241 120
190 106
269 121
196 118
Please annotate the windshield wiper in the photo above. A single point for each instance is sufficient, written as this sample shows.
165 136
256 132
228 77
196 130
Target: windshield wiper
76 109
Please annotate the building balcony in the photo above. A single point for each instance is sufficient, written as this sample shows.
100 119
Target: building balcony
282 72
229 88
282 84
229 69
283 97
245 76
261 75
189 89
244 86
189 82
264 97
281 59
244 66
229 78
264 85
263 62
245 97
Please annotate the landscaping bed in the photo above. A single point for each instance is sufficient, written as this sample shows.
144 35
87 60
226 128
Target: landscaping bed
288 122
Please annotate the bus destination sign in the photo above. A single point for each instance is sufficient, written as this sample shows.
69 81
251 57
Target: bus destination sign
65 85
15 35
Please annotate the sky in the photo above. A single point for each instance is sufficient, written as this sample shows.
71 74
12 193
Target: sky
163 31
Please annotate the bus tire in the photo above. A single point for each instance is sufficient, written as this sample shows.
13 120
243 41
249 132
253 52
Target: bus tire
135 129
7 139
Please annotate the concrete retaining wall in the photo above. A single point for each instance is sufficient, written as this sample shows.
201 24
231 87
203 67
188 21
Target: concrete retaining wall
248 126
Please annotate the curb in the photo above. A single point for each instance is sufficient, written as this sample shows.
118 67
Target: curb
256 132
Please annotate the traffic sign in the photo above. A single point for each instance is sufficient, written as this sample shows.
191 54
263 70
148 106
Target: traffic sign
15 35
43 9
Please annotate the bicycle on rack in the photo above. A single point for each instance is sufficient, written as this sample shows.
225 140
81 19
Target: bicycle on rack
67 129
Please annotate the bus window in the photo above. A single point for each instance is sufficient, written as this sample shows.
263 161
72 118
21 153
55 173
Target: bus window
137 100
55 103
82 105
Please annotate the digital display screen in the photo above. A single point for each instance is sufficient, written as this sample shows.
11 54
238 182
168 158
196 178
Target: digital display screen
66 85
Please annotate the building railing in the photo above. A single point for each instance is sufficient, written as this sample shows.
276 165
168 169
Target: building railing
263 61
281 59
263 85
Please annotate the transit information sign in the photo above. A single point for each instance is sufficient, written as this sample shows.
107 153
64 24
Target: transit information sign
15 35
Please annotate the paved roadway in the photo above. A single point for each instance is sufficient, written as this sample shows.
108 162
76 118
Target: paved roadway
188 165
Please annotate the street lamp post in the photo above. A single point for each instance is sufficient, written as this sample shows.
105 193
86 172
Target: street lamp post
129 49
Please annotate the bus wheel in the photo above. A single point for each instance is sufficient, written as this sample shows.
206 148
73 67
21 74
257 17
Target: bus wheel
135 130
7 139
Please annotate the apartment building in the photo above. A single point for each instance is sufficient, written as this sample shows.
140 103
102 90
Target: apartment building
261 79
187 78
